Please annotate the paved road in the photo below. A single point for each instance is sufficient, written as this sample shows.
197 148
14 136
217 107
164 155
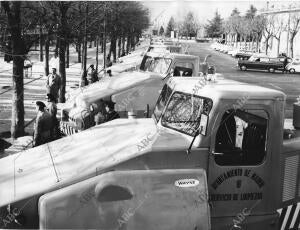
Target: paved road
227 66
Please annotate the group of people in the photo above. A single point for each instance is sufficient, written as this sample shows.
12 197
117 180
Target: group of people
46 123
106 112
46 126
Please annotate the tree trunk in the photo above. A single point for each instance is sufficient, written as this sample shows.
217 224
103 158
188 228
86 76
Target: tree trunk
95 41
79 52
102 43
292 46
104 46
90 43
257 43
113 47
97 52
128 44
67 56
57 45
41 44
119 46
132 42
47 44
278 45
17 112
18 48
84 52
267 45
123 44
62 55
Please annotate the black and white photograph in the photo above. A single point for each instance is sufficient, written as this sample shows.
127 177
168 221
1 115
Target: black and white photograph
150 115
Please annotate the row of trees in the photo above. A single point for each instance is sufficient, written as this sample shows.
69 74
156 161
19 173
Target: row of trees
65 23
188 27
252 27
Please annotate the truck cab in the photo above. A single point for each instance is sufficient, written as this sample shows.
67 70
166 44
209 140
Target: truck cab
135 91
211 157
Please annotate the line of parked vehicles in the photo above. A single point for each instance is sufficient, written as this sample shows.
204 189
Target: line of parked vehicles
205 159
248 59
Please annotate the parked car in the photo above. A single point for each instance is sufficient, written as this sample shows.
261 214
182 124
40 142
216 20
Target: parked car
293 66
262 63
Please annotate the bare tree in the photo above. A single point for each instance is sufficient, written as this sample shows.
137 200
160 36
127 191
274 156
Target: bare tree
294 28
269 31
281 26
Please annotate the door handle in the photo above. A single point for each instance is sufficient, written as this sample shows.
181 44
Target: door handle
217 154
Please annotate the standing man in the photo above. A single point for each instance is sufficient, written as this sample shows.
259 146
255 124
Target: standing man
42 126
92 74
52 110
111 114
53 84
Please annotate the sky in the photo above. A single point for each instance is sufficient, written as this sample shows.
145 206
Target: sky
203 9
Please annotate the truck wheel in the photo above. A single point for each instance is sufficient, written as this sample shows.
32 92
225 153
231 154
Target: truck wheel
292 70
244 68
271 70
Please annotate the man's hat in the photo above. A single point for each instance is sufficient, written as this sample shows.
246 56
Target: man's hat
40 104
92 66
53 68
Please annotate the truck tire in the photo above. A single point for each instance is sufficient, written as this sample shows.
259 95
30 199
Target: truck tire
244 68
271 70
292 70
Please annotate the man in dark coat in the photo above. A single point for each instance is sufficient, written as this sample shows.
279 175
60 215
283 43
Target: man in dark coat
52 110
42 126
92 75
53 83
111 114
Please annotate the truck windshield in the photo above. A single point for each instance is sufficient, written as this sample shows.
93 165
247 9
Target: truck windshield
183 112
157 65
161 102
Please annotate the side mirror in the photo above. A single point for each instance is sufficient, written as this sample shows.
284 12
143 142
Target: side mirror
203 124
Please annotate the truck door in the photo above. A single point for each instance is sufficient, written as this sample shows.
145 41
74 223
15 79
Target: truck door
141 199
239 163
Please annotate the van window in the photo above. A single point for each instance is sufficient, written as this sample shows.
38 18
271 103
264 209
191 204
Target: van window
241 138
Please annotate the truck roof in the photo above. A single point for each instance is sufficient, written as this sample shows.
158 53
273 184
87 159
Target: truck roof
171 55
110 86
224 89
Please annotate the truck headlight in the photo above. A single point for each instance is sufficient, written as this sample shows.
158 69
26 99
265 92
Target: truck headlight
92 108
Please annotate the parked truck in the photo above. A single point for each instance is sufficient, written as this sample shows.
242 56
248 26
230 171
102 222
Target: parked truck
135 91
211 157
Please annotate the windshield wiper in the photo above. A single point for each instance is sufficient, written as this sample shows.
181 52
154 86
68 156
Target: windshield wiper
188 151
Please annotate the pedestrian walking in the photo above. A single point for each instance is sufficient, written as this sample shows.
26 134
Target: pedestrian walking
53 84
92 75
52 110
42 126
